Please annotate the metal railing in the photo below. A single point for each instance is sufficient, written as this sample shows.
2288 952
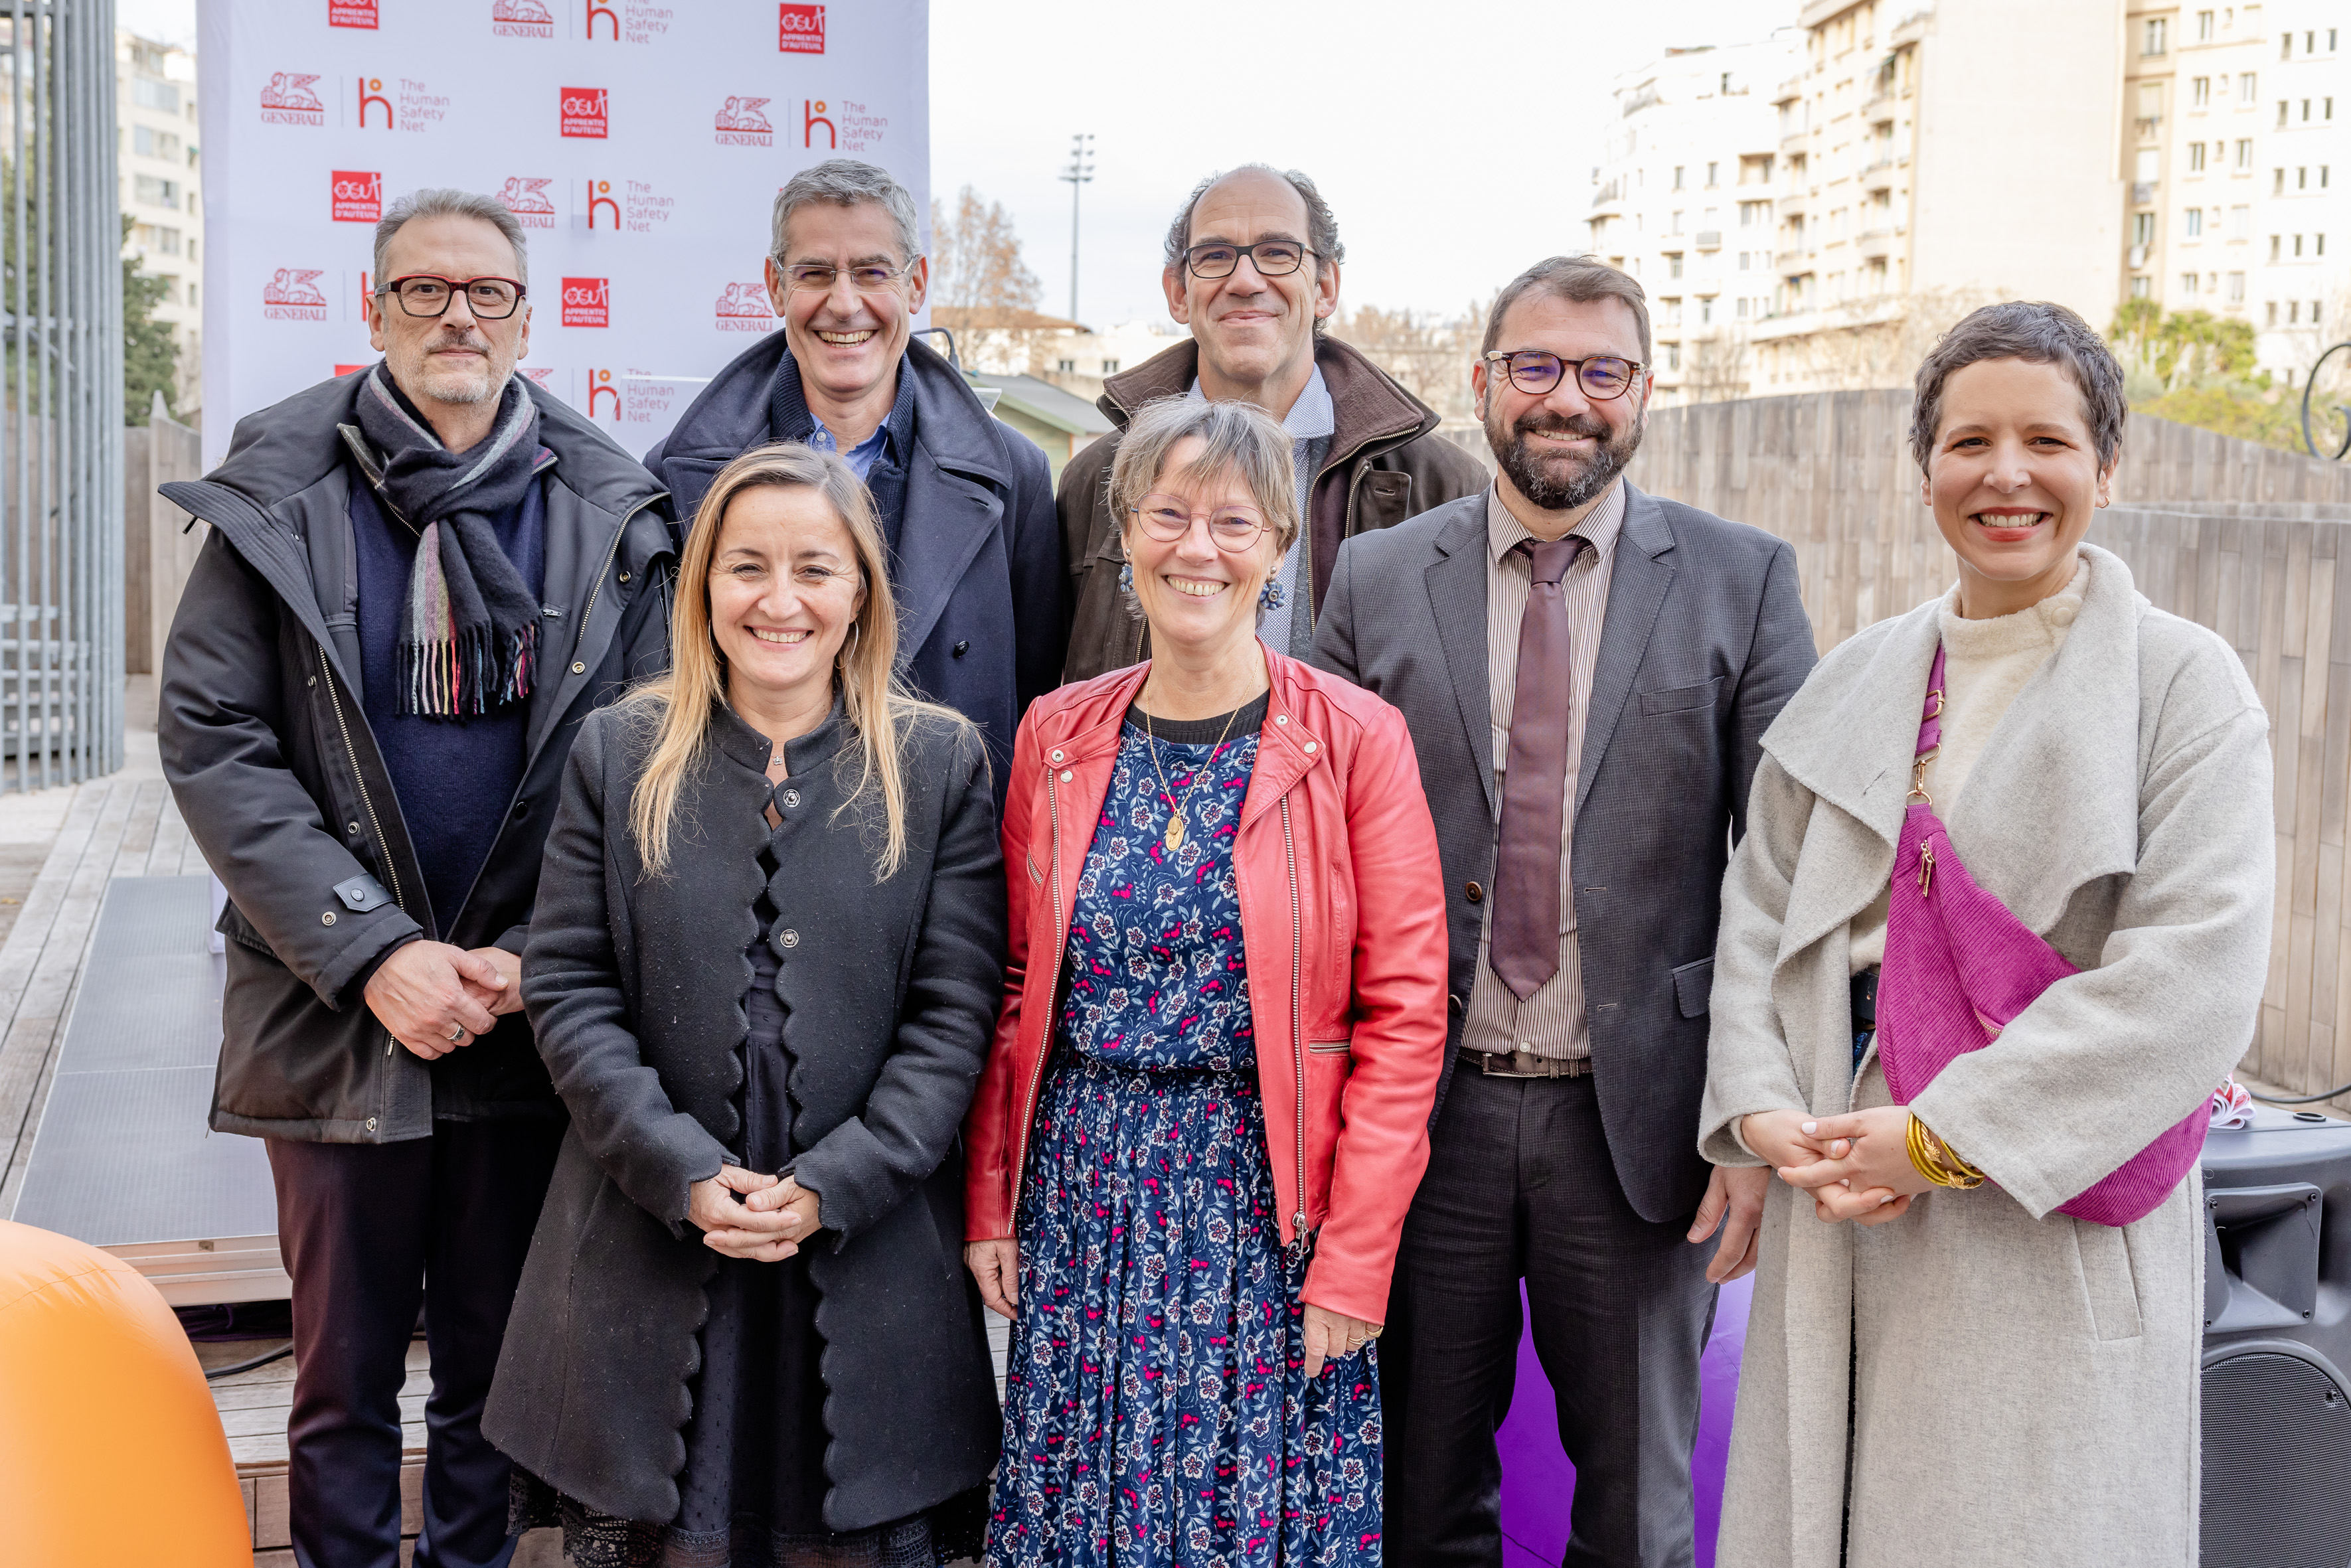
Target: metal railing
61 650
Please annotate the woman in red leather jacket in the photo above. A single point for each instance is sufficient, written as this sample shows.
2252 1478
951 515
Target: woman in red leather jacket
1206 1106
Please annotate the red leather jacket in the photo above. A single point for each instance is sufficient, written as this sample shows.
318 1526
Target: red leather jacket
1342 921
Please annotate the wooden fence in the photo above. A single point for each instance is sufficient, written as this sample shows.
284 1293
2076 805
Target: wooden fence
158 549
2236 536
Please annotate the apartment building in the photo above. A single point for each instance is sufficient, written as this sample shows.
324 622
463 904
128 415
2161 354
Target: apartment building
1939 156
1685 199
2301 296
155 120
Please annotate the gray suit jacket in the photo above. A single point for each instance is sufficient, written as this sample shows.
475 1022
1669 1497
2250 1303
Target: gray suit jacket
1704 641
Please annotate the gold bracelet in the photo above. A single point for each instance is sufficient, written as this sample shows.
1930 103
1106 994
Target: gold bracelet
1933 1159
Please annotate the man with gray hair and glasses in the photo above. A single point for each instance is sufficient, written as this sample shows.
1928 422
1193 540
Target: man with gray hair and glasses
966 502
1252 269
418 579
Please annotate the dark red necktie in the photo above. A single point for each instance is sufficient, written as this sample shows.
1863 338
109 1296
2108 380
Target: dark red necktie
1523 945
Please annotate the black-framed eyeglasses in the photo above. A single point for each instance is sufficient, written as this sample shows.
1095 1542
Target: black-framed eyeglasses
1272 257
1536 372
425 294
819 276
1231 529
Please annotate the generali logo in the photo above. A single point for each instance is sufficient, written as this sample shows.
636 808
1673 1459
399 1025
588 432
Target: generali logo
600 384
526 198
288 100
540 375
521 19
351 13
587 111
587 301
740 123
799 29
744 308
293 295
355 197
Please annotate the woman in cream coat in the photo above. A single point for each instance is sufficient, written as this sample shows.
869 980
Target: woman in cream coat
1960 1376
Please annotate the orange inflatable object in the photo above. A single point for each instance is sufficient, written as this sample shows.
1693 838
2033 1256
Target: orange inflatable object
111 1449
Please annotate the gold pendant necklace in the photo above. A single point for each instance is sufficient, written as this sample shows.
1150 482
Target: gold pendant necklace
1173 837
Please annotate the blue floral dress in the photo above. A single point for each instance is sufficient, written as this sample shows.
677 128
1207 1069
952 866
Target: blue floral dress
1156 1407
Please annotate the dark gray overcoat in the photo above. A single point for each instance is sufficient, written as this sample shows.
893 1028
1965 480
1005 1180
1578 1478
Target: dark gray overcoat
635 985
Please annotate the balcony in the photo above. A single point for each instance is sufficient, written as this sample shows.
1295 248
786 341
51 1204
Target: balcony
1789 90
1791 261
1876 244
1796 138
1878 174
1709 239
2148 125
2143 192
1792 205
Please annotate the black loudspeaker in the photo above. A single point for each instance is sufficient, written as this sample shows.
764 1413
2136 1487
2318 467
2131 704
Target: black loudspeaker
2277 1343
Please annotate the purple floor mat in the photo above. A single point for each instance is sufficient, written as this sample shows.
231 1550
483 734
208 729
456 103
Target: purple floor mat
1539 1484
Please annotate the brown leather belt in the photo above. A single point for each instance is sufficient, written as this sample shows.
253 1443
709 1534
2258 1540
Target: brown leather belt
1526 1064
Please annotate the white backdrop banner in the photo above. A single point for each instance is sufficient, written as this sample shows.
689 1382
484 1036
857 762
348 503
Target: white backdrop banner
641 144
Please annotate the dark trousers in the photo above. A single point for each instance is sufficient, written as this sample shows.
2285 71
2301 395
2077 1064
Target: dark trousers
369 1231
1520 1185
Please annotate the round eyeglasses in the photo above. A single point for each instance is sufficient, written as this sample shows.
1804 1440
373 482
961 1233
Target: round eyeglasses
425 294
1537 372
1231 529
1272 258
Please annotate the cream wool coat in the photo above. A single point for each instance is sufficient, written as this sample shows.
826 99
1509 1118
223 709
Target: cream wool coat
2027 1383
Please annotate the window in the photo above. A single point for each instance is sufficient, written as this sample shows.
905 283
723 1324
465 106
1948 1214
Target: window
2144 166
2240 222
1673 355
148 93
1066 366
2277 182
2283 108
2310 43
1677 218
1705 310
2305 111
1672 312
2201 92
2273 313
2292 312
2285 45
2298 245
2273 247
1753 214
2196 157
2195 225
151 143
1743 261
1677 177
2154 41
1710 181
1742 303
1110 367
2139 288
2245 154
2188 284
2236 288
155 191
2203 27
2142 229
2248 89
2301 178
1673 263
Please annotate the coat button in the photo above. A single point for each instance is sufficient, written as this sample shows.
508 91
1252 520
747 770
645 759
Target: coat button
962 648
522 809
371 1124
1474 894
352 828
787 937
1057 755
1310 748
1067 776
791 798
1454 1002
328 918
577 668
624 577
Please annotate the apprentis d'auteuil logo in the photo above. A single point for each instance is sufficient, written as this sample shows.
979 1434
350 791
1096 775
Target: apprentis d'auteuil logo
351 13
799 29
587 301
355 197
586 111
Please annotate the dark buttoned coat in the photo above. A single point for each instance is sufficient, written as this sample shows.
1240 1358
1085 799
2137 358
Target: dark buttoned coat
635 987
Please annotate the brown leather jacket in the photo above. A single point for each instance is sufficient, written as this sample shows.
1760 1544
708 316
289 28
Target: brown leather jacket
1387 462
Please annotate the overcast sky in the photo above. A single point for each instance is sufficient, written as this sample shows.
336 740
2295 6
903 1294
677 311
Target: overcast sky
1454 139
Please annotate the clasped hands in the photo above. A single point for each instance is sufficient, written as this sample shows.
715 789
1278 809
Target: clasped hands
744 1214
1856 1166
433 998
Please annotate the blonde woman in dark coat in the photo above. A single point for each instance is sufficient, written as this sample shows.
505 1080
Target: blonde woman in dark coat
763 972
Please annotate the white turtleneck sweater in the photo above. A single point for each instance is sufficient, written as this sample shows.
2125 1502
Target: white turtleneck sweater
1985 664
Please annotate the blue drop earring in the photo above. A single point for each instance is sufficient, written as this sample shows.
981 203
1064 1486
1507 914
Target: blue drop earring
1126 577
1270 597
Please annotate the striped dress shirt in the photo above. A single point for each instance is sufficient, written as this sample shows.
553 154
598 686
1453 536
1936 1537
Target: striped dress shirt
1551 1022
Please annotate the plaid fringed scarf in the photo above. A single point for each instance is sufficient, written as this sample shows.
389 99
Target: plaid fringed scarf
471 629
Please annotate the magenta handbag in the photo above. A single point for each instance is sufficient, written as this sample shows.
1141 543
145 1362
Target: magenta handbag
1959 966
